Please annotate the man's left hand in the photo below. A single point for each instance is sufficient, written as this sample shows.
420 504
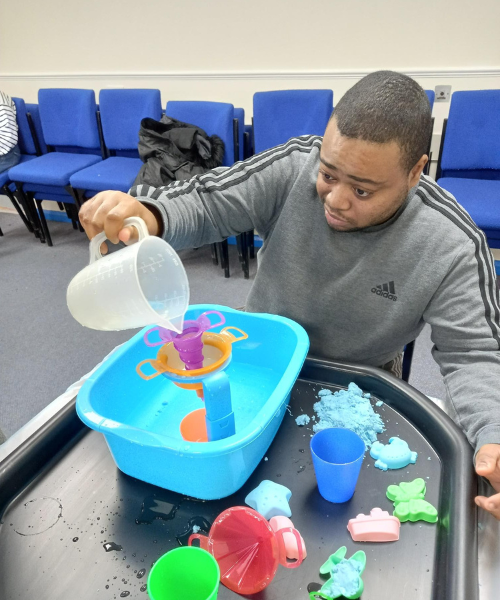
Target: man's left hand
488 466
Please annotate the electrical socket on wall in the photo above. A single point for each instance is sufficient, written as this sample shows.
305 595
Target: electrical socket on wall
443 93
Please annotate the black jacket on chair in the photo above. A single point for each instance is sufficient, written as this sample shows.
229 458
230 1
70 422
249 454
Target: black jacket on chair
174 151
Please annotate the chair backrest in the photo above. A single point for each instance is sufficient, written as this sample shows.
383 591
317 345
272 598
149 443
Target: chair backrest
213 117
431 95
472 139
34 111
122 112
239 114
281 115
68 117
24 137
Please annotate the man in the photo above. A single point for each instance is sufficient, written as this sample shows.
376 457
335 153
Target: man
9 150
359 247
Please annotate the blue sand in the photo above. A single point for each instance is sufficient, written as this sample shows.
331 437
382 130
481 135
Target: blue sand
270 499
350 409
394 455
302 420
378 403
344 581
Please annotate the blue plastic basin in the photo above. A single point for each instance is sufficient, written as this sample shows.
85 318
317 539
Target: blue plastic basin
141 419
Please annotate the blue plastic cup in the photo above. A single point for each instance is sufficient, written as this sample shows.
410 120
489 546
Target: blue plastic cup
337 455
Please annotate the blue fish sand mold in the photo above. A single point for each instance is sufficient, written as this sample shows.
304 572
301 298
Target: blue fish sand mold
394 455
270 499
350 409
302 420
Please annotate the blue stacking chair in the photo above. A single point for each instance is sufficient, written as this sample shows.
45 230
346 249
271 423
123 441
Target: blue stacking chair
121 113
469 161
248 141
36 127
30 148
215 118
239 115
281 115
70 130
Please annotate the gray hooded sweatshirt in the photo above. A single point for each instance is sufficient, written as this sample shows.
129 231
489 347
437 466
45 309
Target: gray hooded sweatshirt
361 296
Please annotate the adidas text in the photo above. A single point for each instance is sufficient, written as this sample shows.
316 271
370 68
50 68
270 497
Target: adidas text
386 290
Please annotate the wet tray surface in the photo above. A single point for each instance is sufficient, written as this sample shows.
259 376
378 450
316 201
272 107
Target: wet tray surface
80 528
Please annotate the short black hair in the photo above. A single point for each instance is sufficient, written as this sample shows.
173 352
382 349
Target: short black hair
386 106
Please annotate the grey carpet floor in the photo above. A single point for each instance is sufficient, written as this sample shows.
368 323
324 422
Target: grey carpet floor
43 350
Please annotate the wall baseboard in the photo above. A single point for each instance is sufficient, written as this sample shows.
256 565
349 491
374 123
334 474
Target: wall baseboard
479 72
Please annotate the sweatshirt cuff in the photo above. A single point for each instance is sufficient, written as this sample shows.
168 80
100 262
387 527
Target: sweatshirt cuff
487 435
160 209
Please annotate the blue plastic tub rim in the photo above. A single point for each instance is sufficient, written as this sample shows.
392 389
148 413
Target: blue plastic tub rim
270 410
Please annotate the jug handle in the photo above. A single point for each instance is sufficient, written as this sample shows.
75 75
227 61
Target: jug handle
282 550
231 336
95 242
205 321
203 539
154 364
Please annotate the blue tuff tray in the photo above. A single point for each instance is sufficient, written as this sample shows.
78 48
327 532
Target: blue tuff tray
141 419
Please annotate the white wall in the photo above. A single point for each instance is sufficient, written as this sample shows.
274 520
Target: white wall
225 50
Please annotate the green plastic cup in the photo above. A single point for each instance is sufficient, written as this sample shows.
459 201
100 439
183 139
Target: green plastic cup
186 572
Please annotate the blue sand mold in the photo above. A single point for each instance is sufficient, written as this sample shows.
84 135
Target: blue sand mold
350 409
378 403
302 420
394 455
345 579
270 499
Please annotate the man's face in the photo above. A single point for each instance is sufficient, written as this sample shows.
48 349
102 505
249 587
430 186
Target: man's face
361 183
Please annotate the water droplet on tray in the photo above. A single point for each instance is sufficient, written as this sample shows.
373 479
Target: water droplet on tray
109 546
154 507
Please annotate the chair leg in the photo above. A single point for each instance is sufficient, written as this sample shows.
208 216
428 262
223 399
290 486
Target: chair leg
69 214
251 243
26 200
224 257
74 193
18 208
213 248
43 221
241 243
225 251
1 232
407 360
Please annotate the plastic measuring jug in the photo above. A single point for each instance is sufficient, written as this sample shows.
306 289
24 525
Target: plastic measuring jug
139 285
184 573
247 550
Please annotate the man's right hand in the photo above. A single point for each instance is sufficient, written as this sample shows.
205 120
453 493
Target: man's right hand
107 211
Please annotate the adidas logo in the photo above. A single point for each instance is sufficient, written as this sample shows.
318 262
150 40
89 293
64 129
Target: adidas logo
386 290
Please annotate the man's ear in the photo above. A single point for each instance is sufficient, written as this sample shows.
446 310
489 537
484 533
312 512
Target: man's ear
415 173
